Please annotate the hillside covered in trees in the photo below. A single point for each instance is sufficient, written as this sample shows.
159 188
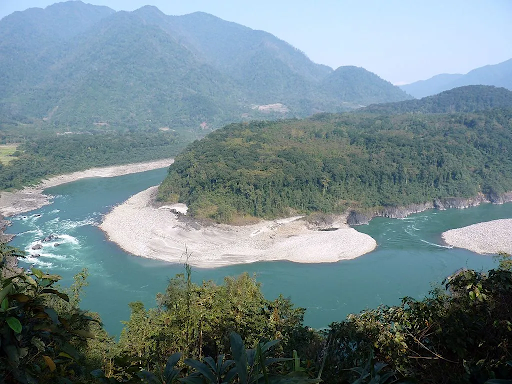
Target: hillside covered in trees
46 154
332 163
74 66
471 98
230 333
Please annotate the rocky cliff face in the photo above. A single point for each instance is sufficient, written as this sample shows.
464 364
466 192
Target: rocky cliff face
4 224
358 218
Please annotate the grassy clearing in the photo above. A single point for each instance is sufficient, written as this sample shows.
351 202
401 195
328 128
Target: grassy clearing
6 150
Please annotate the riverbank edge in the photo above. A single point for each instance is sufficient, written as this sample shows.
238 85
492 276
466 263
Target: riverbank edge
355 217
159 232
488 237
33 197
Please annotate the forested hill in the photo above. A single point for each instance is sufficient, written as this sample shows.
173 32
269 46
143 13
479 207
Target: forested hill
333 162
499 75
471 98
79 66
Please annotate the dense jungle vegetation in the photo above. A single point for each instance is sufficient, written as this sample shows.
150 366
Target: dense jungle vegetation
331 163
45 155
230 333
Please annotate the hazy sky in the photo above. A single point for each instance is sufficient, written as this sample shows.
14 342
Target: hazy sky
400 40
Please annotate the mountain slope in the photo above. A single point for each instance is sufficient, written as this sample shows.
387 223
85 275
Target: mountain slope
471 98
89 67
359 86
34 40
134 73
499 75
333 163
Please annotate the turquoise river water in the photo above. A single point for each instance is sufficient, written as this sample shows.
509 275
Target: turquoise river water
410 258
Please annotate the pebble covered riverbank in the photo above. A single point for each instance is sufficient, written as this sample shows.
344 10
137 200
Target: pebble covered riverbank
30 198
144 230
489 237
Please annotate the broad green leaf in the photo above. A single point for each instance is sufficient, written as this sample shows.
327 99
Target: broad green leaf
5 304
169 370
265 347
31 281
37 272
192 380
226 365
21 298
12 354
213 366
63 296
5 291
53 315
148 377
239 355
83 333
14 323
71 351
53 278
202 369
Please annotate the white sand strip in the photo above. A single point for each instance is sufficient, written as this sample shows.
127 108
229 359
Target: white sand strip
30 198
139 228
489 237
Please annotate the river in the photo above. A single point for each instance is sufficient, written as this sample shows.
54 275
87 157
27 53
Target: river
409 260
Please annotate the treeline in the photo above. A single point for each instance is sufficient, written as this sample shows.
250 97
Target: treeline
47 155
471 98
331 163
208 333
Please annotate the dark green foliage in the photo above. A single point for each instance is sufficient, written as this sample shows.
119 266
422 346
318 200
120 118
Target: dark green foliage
77 65
462 335
49 155
197 320
39 342
331 163
471 98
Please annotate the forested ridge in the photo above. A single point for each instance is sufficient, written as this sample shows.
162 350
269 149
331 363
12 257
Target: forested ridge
75 65
45 155
230 333
471 98
331 163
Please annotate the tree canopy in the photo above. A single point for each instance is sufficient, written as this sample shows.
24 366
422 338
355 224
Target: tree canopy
331 163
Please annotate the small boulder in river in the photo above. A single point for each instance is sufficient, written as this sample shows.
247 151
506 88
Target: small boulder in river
56 244
37 246
50 238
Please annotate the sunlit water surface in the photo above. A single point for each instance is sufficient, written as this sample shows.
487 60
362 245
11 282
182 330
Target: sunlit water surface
410 258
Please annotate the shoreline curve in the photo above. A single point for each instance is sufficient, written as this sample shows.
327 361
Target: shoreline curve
490 237
139 228
31 198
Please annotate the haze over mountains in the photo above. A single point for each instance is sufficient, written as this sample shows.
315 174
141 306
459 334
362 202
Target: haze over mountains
467 99
79 65
499 75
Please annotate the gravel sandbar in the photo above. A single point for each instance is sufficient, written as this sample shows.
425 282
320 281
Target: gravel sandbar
30 198
489 237
144 230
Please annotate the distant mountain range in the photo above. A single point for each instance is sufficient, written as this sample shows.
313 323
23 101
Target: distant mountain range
499 75
471 98
80 66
